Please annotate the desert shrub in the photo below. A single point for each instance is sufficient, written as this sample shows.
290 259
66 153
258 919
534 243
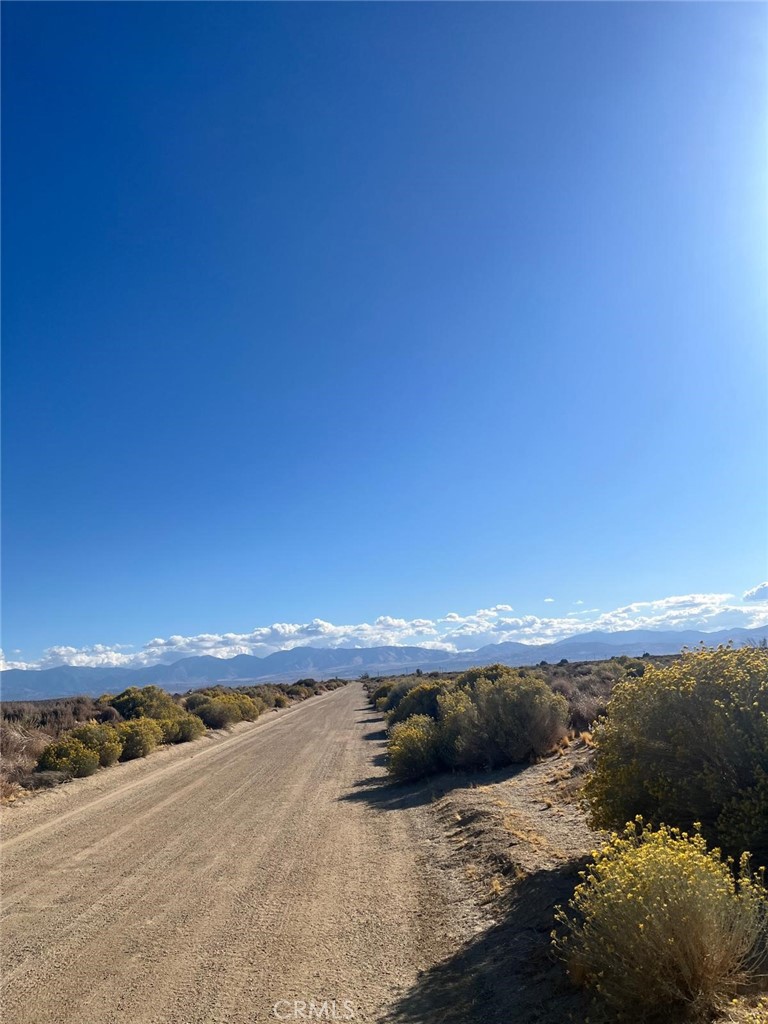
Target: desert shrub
20 747
493 673
220 708
266 694
520 717
300 692
194 700
380 692
187 727
55 716
689 742
108 714
8 790
398 691
260 706
414 748
182 729
421 700
217 713
635 667
249 708
104 739
70 756
584 710
21 711
145 702
489 722
566 687
745 1011
140 736
45 779
587 683
169 727
660 928
461 737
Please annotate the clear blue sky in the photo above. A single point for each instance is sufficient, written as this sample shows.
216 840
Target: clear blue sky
350 310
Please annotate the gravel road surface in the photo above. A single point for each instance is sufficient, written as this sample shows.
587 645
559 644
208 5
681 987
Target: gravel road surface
214 880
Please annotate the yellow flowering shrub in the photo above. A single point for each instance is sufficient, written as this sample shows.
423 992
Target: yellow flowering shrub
104 739
70 756
689 742
661 928
140 736
414 748
745 1011
220 708
181 729
249 707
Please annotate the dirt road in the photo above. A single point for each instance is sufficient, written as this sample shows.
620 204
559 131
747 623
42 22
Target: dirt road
214 880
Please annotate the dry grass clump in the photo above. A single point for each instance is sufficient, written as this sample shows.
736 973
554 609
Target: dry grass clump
20 747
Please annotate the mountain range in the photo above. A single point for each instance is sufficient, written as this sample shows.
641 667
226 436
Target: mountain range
351 662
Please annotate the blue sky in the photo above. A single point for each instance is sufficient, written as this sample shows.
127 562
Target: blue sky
359 313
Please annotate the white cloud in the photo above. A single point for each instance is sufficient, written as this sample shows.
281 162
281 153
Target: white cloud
451 632
549 600
758 593
5 664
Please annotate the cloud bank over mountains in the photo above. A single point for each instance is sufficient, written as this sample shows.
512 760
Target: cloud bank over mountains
758 593
452 632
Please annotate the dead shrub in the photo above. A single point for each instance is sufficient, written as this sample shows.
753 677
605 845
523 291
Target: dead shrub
20 747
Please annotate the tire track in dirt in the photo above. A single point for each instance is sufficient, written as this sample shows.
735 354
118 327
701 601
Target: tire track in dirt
206 887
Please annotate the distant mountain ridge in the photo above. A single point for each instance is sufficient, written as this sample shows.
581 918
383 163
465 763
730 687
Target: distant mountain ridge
350 662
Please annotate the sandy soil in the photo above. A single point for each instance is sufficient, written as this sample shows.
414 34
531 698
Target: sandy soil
212 880
521 837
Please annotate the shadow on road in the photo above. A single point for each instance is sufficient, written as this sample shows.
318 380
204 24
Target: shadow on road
507 975
378 734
